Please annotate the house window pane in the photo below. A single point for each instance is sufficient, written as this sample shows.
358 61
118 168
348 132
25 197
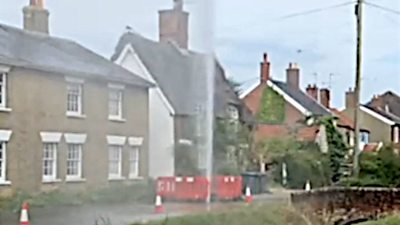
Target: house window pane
74 160
2 162
49 160
115 160
115 102
134 162
3 89
74 103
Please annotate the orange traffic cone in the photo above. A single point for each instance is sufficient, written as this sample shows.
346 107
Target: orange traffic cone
24 220
249 197
159 206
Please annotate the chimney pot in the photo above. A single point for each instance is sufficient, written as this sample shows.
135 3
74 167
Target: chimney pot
350 99
36 17
293 76
174 25
265 69
312 91
325 98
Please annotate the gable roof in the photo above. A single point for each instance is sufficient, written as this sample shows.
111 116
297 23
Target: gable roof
38 51
179 73
389 101
382 115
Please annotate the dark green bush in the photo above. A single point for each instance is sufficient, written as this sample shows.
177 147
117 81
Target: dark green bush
380 169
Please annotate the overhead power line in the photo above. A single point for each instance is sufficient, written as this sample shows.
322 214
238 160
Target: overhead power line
383 8
317 10
293 15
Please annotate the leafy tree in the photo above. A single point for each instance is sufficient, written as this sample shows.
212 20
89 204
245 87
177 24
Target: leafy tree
337 149
232 142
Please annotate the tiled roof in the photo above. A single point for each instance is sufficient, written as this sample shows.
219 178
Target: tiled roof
389 100
180 74
33 50
384 113
303 99
344 120
372 147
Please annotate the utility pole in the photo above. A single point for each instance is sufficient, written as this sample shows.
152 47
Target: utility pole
359 14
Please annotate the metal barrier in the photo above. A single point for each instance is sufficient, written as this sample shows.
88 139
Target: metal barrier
196 188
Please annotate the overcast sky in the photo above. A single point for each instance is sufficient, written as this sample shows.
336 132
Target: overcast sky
322 43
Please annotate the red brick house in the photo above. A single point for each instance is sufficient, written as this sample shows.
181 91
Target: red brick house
282 109
344 123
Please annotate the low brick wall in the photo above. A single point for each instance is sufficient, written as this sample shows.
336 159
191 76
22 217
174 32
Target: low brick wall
338 205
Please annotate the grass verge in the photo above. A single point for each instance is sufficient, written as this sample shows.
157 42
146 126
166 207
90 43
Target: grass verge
142 192
392 220
255 215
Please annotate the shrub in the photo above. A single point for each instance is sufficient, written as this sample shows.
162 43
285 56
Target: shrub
304 165
377 170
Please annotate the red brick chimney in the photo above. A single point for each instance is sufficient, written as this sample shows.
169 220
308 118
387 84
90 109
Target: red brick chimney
350 99
312 91
293 76
174 25
265 69
325 98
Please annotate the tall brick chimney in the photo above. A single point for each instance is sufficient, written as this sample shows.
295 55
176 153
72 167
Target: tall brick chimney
174 25
36 17
312 91
325 98
293 76
265 69
350 99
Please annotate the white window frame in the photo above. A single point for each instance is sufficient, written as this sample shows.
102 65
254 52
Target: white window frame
3 160
119 89
78 176
4 87
53 176
134 161
75 139
5 136
396 135
117 176
79 83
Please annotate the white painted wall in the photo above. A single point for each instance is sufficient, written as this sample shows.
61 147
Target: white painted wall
161 137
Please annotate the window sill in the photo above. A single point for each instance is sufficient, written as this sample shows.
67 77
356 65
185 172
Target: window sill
135 178
116 178
5 183
51 181
116 119
75 115
75 180
4 109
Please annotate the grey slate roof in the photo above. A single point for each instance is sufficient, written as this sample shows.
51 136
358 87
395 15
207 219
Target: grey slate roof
181 74
303 99
385 114
33 50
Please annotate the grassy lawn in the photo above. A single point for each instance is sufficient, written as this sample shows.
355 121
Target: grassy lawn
255 215
393 220
140 192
